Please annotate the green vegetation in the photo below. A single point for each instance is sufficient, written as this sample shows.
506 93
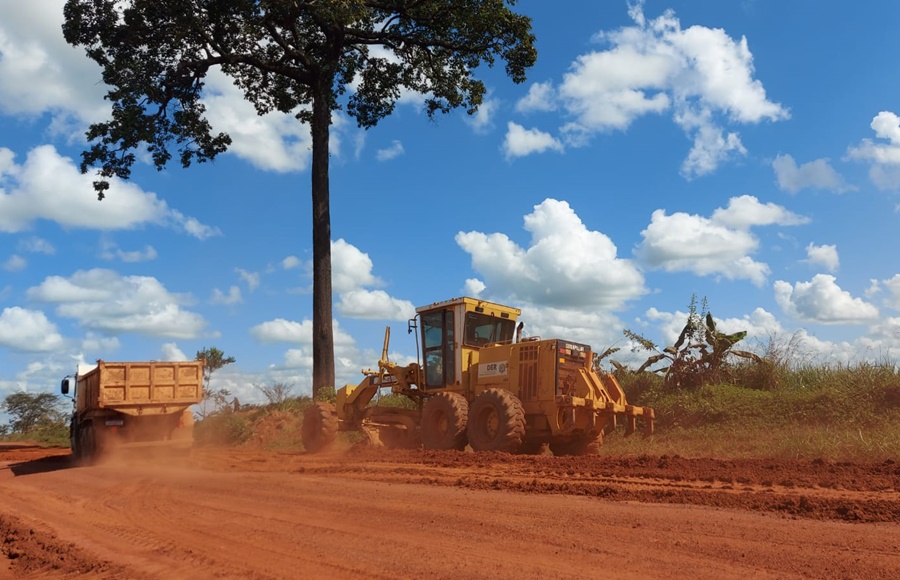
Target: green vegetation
839 412
213 359
846 412
713 400
709 400
273 426
35 417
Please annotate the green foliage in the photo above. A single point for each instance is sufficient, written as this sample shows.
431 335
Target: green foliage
35 417
325 395
223 429
285 56
32 411
699 356
214 359
395 400
832 411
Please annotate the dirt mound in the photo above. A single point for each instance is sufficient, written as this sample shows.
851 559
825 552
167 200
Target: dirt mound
276 430
25 451
33 553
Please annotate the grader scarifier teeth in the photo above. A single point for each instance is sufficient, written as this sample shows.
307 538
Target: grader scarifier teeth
632 413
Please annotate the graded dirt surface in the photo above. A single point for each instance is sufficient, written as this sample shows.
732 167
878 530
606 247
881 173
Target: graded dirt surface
369 513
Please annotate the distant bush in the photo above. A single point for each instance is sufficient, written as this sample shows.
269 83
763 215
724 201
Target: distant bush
223 429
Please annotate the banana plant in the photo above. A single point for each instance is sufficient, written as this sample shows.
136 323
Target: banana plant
697 355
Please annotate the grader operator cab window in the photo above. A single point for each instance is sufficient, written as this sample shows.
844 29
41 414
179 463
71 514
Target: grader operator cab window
437 338
482 329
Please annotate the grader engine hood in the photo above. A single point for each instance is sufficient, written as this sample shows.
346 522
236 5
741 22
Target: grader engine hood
556 378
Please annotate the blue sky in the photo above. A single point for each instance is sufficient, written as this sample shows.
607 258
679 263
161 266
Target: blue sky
748 152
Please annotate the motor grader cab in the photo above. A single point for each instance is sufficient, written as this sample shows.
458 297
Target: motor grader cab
479 383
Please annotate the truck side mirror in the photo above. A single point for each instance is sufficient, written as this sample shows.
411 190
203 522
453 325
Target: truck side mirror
64 386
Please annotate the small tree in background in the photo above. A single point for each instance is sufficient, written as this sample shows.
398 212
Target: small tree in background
276 393
36 415
214 360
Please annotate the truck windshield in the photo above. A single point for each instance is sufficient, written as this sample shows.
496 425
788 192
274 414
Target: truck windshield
482 329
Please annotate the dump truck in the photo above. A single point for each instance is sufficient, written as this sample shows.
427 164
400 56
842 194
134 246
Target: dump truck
477 382
122 403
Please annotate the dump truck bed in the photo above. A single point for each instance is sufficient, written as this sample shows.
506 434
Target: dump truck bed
141 388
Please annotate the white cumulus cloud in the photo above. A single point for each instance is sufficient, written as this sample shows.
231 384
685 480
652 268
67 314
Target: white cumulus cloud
822 301
351 268
704 77
520 142
883 156
232 297
292 332
48 186
15 263
566 265
720 245
28 331
818 174
374 304
391 152
824 255
106 301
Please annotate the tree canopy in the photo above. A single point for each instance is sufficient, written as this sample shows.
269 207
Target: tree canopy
32 411
304 58
214 359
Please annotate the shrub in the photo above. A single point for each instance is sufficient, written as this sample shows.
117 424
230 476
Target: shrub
223 429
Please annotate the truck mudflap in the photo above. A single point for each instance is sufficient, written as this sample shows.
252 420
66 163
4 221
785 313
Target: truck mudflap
569 406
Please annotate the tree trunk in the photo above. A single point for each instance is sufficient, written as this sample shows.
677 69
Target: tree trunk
323 335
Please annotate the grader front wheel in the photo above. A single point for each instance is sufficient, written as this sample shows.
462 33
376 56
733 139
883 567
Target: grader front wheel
320 425
444 421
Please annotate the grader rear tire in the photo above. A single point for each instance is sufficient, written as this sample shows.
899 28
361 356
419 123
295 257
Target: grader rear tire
320 425
444 419
496 422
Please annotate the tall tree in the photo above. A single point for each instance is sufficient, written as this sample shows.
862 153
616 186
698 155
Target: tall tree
292 56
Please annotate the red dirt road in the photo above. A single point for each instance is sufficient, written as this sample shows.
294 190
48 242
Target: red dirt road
414 514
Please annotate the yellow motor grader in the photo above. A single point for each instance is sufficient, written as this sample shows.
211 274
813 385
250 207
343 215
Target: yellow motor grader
480 383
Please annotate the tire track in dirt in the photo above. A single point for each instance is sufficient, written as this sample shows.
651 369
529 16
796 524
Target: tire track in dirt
241 513
815 489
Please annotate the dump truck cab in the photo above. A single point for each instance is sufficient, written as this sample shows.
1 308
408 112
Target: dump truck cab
479 383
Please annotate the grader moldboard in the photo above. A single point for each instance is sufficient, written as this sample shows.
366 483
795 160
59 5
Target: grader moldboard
481 385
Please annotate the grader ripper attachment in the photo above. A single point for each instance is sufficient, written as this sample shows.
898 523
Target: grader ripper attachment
480 384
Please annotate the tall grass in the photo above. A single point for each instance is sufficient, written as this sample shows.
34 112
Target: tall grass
806 410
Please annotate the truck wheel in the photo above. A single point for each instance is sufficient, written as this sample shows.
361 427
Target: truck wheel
88 444
444 421
320 425
496 422
75 442
585 445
